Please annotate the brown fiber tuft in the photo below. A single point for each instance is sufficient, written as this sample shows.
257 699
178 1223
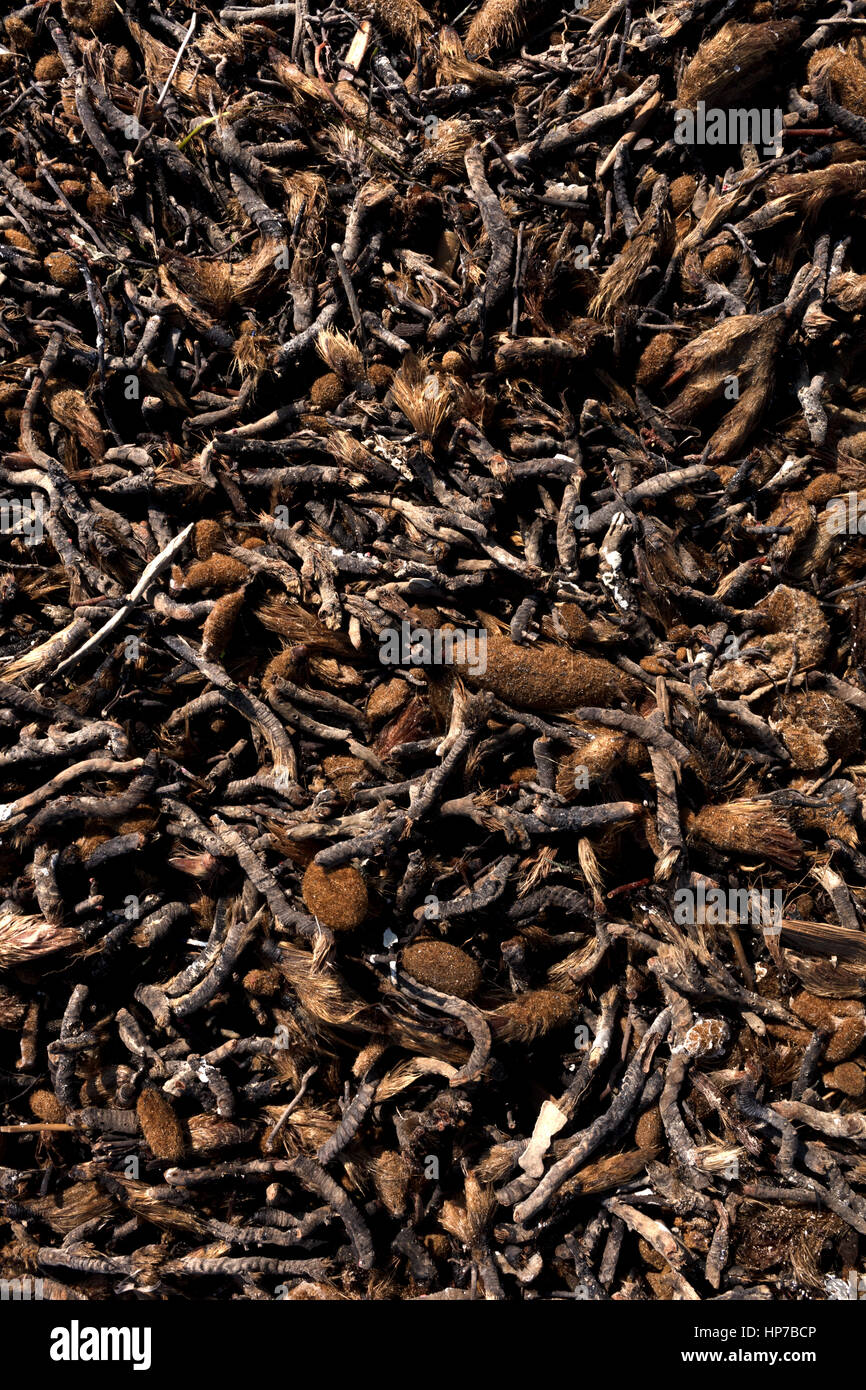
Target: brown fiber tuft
337 897
160 1125
443 967
531 1014
220 623
551 678
217 572
45 1106
746 829
734 62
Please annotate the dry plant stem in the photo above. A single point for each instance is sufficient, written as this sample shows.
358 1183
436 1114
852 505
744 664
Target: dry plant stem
292 1105
309 1174
228 952
588 1141
679 1138
353 1116
427 328
90 767
650 730
481 897
243 701
660 1238
809 1065
46 368
184 981
364 846
498 229
596 1055
469 1016
262 880
156 566
61 1061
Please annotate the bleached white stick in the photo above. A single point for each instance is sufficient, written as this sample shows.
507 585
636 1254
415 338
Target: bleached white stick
176 64
157 564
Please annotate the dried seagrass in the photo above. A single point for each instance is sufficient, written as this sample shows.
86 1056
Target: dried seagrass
432 655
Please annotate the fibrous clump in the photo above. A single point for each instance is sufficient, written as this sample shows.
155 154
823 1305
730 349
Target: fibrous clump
734 361
432 641
497 22
797 632
87 16
531 1015
217 571
656 358
548 678
747 828
846 75
337 897
817 727
160 1125
69 408
62 269
728 66
26 940
45 1106
443 967
220 623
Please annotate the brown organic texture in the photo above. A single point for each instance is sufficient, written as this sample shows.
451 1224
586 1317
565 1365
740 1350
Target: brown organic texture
162 1131
26 940
220 285
70 409
432 651
443 967
530 1015
737 354
496 23
652 241
87 16
217 571
220 623
747 828
338 898
729 66
846 73
546 678
44 1105
796 630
